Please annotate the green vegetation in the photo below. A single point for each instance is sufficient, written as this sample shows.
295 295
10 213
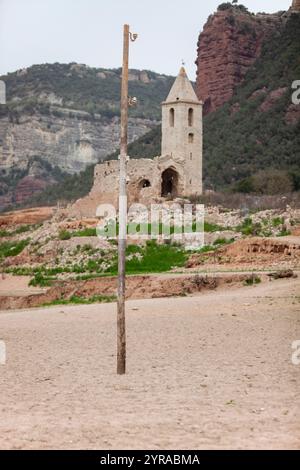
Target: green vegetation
252 280
249 140
14 248
208 249
87 232
10 180
41 280
278 221
4 234
284 233
75 300
267 182
249 228
234 7
223 241
264 228
64 235
208 227
20 230
71 188
95 91
154 258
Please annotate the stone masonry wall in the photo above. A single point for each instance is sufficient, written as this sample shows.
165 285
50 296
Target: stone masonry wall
106 184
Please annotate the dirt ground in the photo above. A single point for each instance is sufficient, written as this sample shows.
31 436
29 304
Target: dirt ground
15 294
206 372
26 216
17 286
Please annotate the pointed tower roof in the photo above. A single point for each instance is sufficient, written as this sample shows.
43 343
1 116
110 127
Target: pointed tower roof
182 90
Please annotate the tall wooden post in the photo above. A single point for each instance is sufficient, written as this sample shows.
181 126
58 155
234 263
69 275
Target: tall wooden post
121 325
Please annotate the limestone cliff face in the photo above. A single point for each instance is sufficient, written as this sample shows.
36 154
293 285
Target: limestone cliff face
70 143
230 43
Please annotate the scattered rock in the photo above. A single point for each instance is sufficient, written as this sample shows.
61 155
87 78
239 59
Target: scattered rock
287 274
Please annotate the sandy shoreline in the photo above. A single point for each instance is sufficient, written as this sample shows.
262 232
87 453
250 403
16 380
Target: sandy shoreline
211 371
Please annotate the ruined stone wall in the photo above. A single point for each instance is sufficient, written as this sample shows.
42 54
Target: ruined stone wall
141 172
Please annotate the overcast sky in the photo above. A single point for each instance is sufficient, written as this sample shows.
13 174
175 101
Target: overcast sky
90 31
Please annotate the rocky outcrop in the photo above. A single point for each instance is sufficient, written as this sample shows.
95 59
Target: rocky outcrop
230 43
272 98
70 140
27 187
292 116
296 5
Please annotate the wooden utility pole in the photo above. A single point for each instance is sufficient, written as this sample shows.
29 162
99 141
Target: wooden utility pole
121 324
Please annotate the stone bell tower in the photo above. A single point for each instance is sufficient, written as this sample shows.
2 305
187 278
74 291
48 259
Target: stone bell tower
182 132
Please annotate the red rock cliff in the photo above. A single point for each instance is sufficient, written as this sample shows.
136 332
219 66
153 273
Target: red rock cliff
296 5
230 43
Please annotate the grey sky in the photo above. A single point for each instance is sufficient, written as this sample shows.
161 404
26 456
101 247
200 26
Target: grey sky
90 31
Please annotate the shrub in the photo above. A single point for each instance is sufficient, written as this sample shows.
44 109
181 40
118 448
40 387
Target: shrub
223 241
225 6
284 233
277 221
253 280
4 233
64 235
40 280
249 228
244 186
209 227
23 229
87 232
272 182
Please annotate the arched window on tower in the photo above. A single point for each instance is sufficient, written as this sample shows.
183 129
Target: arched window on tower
172 117
191 138
191 117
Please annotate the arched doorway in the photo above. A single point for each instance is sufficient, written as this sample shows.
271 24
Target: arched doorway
169 183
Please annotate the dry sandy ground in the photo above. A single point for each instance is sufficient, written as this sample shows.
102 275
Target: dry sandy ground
17 286
212 371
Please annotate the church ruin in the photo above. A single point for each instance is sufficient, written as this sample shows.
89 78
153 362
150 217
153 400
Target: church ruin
176 173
